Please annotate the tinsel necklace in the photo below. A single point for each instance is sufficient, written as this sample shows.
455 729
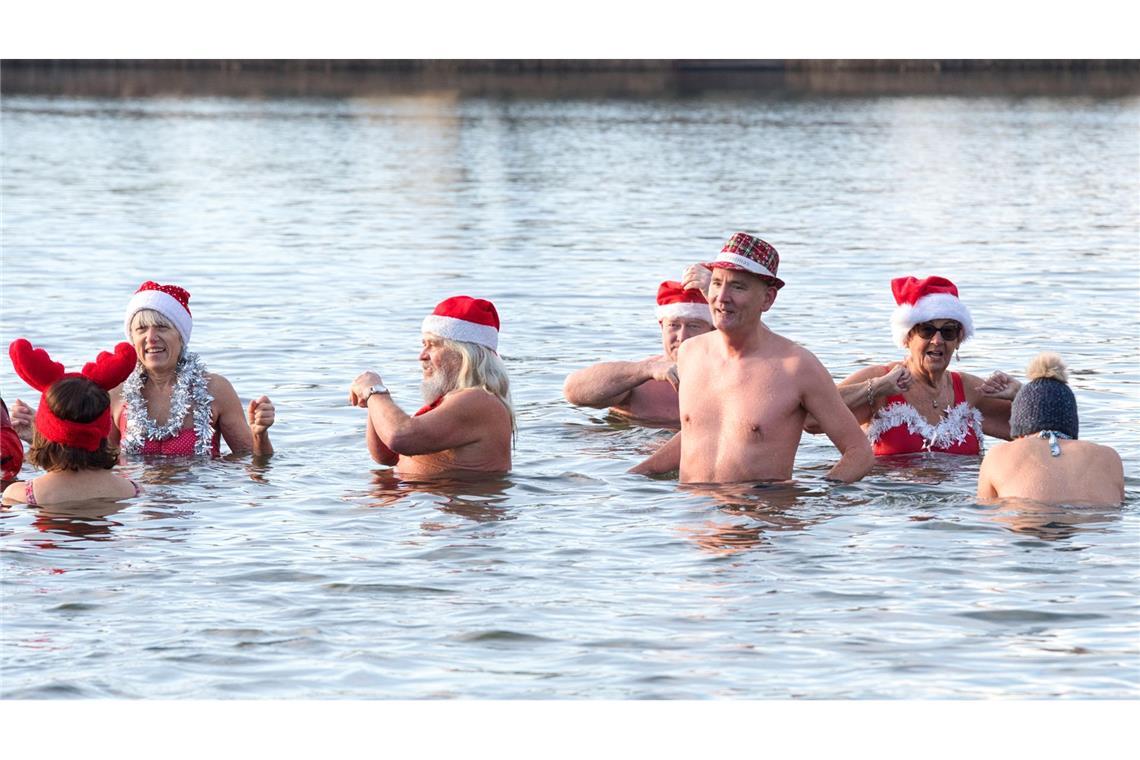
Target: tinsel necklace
189 392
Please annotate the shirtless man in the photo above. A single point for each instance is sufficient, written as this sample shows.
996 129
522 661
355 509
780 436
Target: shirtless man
468 423
646 390
1045 462
745 390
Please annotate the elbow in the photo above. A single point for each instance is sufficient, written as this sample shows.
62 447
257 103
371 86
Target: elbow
573 392
405 443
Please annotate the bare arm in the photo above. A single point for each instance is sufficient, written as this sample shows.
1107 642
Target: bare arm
864 391
821 399
986 490
458 421
612 383
380 453
243 430
665 459
993 397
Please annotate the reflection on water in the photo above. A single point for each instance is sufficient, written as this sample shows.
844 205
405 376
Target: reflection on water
1051 522
474 497
314 234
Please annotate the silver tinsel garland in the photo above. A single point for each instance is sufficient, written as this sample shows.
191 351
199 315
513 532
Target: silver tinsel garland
189 392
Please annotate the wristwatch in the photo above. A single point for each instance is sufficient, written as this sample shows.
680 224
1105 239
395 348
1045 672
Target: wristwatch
378 388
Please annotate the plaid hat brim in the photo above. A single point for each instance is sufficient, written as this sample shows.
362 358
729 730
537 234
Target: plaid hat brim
772 280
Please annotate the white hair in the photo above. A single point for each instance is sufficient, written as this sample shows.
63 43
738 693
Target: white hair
481 367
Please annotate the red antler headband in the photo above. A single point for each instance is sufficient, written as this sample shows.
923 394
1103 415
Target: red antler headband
39 371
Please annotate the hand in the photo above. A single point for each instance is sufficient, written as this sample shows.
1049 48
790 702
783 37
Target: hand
23 420
261 415
358 392
898 380
999 385
696 276
663 369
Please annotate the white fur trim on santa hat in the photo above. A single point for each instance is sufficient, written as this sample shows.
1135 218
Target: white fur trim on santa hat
166 305
461 330
684 310
933 306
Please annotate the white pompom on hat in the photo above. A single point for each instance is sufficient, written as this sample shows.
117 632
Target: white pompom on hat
923 300
675 302
170 301
466 319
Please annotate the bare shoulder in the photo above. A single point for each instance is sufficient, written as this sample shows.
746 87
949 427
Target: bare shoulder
1001 452
473 400
696 346
1106 454
217 384
868 373
15 492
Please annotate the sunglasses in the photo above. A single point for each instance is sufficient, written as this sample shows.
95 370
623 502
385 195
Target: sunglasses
926 331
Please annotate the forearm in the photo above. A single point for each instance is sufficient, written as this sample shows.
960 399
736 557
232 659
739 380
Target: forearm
855 462
862 397
262 446
606 384
665 459
386 420
376 448
995 417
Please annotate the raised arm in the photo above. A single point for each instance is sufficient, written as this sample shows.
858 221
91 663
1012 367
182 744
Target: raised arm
380 453
460 420
244 430
612 383
665 459
994 399
864 391
821 399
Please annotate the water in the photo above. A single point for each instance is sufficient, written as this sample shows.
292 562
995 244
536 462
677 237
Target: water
315 234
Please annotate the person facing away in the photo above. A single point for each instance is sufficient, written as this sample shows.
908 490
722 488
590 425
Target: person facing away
467 423
1045 461
646 390
746 390
170 405
72 426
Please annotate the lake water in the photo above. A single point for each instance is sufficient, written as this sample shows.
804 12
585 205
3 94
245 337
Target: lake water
315 234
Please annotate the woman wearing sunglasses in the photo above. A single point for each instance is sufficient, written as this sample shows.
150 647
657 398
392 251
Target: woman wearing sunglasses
918 404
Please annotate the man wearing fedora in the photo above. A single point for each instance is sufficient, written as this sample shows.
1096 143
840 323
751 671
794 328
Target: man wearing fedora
745 390
646 390
467 423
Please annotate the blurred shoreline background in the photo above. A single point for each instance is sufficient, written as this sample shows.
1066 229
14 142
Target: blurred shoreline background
545 78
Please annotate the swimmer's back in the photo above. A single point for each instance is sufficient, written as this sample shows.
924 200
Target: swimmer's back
1084 473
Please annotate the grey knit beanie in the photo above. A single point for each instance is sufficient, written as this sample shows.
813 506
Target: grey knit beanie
1045 402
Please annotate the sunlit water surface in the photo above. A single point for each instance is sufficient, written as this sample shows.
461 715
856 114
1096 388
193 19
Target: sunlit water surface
314 236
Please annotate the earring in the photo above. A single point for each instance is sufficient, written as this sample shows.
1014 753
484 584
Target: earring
957 356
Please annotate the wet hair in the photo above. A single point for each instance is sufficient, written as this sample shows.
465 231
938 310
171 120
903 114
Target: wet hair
481 367
75 399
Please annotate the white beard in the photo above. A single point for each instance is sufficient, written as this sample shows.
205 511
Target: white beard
437 386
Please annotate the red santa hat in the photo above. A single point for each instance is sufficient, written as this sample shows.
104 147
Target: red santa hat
674 302
923 300
170 301
466 319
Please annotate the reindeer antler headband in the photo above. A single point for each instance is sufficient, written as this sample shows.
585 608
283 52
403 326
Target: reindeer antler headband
38 370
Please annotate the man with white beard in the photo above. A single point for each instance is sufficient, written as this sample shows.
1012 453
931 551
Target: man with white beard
467 422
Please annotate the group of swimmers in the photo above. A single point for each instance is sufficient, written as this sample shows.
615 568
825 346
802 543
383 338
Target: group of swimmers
740 394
